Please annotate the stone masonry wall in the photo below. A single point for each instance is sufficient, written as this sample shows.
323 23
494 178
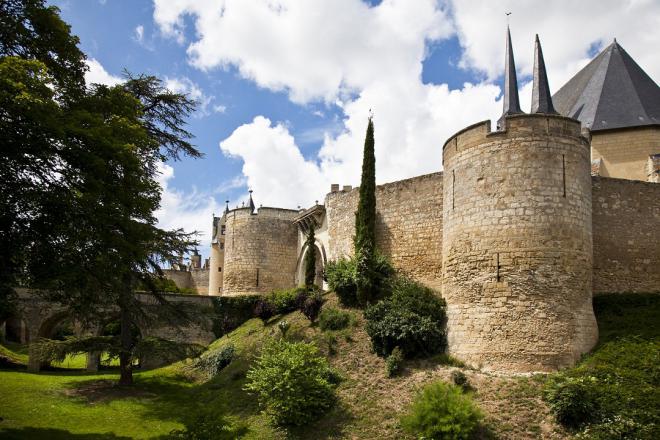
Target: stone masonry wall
517 250
408 225
260 251
625 152
626 235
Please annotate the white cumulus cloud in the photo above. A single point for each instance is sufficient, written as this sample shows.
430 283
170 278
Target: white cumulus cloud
98 75
358 58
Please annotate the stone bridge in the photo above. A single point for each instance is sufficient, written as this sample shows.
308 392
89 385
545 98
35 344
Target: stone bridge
38 318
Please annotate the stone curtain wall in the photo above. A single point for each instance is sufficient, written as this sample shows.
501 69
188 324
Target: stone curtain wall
200 281
517 250
260 251
408 225
626 235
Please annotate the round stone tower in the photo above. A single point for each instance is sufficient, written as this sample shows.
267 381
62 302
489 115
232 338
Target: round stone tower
516 246
261 250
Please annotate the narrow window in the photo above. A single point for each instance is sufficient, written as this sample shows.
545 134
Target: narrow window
453 192
257 277
219 269
222 229
563 172
498 267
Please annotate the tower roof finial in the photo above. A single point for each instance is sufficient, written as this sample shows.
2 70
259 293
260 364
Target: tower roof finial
511 103
252 207
226 206
541 98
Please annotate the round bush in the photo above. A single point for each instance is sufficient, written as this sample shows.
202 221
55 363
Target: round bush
293 382
312 306
334 319
573 400
442 411
394 363
341 276
413 318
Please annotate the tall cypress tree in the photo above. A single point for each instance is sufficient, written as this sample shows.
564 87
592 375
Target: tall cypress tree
310 259
365 221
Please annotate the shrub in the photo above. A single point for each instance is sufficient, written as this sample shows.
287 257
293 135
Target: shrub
341 276
312 307
334 319
442 411
413 319
394 362
229 312
285 301
293 382
264 310
212 362
572 400
460 379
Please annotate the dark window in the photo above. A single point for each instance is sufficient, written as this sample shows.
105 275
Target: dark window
222 229
219 269
222 245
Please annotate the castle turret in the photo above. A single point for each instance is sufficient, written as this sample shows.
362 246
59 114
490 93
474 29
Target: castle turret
517 246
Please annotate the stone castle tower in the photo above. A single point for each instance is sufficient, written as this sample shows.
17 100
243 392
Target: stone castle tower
517 241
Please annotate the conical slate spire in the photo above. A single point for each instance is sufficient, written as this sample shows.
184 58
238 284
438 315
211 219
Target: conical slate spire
541 98
252 207
511 101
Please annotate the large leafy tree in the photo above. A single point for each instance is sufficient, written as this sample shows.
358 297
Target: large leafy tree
78 178
365 222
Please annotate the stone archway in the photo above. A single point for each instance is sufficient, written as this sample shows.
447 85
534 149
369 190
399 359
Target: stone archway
15 329
320 264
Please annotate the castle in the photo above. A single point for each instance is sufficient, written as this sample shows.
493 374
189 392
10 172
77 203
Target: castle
523 225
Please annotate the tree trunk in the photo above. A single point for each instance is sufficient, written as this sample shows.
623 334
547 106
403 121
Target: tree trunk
126 337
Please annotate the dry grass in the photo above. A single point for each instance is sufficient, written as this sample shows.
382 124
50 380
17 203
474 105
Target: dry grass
512 405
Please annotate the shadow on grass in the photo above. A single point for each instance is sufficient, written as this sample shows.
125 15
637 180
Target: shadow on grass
331 425
53 434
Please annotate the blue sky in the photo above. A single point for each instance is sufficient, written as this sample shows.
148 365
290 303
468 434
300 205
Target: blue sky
285 86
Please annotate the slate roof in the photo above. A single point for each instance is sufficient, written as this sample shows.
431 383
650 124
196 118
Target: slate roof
612 91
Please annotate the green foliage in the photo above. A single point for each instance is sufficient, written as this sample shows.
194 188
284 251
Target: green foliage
312 306
292 381
167 285
365 223
264 309
613 393
443 411
310 259
460 379
342 277
573 400
334 319
413 318
394 362
214 361
229 312
288 300
207 425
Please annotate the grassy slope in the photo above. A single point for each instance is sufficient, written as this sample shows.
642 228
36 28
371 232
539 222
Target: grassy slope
369 405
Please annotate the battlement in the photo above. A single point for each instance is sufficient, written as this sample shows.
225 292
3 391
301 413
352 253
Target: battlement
264 212
523 125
